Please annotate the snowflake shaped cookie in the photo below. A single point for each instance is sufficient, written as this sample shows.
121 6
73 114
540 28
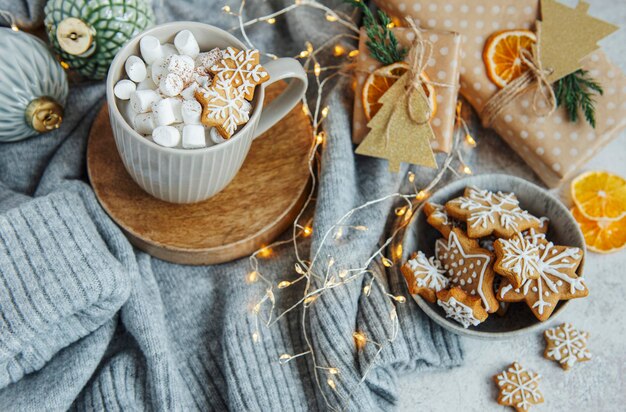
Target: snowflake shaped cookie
241 69
424 276
566 345
223 107
517 259
519 388
462 307
437 217
557 281
487 212
468 266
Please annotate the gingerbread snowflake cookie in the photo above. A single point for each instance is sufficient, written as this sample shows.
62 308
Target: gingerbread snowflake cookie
566 345
437 217
461 306
487 212
241 69
223 107
468 266
557 281
517 259
424 276
519 388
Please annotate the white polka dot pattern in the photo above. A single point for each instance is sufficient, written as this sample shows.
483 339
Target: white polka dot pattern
554 147
442 68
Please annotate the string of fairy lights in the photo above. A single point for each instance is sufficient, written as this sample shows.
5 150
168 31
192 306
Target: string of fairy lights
316 284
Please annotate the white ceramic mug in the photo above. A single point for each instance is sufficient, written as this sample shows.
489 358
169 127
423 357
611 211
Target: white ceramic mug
187 176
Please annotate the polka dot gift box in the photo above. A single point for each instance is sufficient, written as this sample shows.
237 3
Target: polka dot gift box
441 73
552 145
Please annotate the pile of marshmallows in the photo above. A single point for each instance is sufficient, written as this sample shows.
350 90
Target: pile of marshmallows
161 87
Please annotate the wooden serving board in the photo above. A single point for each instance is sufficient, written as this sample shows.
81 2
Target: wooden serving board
260 203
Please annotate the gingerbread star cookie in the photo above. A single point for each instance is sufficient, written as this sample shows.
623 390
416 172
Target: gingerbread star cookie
468 266
223 107
519 388
517 259
462 307
437 217
424 276
566 345
241 69
487 212
557 281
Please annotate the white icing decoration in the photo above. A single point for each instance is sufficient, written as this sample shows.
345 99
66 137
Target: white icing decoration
440 213
428 272
228 106
245 74
551 265
569 345
441 247
519 386
520 256
485 205
459 312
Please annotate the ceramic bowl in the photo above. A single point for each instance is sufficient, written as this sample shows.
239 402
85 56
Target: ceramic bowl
563 230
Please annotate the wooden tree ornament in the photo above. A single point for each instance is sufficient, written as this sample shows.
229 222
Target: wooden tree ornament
400 131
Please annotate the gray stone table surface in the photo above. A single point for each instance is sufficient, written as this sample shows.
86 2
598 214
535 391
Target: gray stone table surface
598 385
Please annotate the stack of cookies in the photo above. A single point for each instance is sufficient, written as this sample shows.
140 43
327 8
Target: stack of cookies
492 253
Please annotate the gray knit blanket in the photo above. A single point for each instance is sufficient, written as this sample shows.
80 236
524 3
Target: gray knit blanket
87 322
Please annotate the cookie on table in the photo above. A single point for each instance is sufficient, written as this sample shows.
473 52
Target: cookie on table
566 345
557 281
462 307
468 266
519 388
517 259
437 217
424 276
486 212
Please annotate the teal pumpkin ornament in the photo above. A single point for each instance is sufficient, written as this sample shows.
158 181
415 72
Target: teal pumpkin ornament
86 34
33 87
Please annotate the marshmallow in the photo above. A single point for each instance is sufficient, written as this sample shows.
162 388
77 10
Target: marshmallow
166 136
186 44
141 100
216 137
246 106
190 92
193 136
171 85
158 69
124 89
144 123
206 60
150 48
202 80
163 112
183 66
191 111
147 84
168 50
135 69
177 108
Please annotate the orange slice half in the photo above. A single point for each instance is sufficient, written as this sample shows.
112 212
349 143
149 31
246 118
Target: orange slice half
502 55
602 236
600 195
380 80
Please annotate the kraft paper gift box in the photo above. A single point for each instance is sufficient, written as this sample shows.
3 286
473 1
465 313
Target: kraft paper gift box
443 69
554 147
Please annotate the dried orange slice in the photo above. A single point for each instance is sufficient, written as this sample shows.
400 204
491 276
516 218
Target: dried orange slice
602 236
502 54
380 80
600 195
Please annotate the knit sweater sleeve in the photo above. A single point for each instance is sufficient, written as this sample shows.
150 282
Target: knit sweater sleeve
58 281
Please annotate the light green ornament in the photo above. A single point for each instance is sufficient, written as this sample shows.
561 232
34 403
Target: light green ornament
87 34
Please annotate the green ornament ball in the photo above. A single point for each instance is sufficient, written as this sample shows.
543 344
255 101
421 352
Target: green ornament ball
87 34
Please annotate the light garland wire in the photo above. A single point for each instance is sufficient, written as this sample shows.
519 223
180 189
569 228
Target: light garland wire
304 268
9 18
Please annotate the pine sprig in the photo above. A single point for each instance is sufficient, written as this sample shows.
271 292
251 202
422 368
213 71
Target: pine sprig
382 43
575 91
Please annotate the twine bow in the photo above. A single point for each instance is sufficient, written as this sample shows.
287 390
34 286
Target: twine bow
535 75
